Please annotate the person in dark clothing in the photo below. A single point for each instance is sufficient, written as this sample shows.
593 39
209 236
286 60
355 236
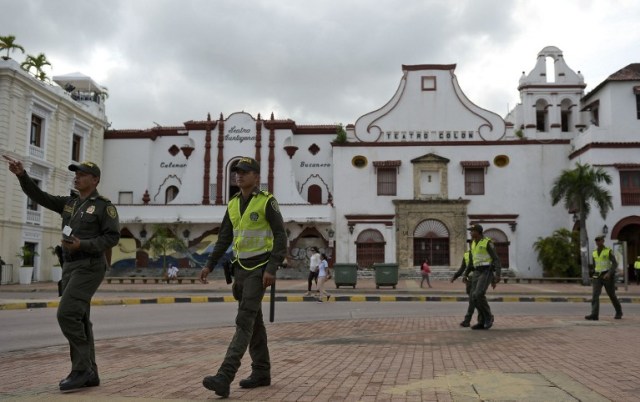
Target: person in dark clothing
604 266
253 225
485 264
90 226
470 282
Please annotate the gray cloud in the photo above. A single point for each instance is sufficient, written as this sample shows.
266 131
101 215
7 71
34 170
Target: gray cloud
314 62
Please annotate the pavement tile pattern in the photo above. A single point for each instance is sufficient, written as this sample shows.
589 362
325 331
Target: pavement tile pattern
522 358
395 359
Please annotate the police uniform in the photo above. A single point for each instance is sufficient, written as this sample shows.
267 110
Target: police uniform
604 263
255 229
636 265
470 281
93 220
485 264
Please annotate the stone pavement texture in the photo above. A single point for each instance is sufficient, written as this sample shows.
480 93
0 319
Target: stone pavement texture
522 358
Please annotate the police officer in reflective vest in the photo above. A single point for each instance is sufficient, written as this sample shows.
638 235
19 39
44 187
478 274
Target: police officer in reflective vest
604 269
636 265
253 226
470 284
90 226
486 266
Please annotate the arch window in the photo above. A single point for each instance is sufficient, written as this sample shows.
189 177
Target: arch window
542 115
314 194
369 248
431 242
501 242
170 194
565 115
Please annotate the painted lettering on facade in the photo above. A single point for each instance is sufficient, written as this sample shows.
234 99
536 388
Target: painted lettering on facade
430 135
314 165
172 165
239 134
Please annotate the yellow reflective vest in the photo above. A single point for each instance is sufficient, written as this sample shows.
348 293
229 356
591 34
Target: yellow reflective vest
602 262
479 252
252 234
636 265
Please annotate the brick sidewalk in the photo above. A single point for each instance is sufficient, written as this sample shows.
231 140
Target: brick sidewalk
550 358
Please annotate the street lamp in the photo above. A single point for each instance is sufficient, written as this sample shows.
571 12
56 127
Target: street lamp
605 229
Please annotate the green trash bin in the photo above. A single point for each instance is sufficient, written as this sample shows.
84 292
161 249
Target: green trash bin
345 275
386 274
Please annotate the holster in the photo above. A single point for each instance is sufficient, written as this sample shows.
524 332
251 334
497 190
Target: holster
227 266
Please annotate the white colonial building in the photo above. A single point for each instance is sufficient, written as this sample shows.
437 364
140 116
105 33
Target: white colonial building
405 181
409 179
47 127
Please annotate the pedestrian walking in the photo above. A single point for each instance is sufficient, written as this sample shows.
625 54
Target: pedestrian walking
253 225
425 270
636 266
323 275
314 264
484 262
470 282
90 226
604 271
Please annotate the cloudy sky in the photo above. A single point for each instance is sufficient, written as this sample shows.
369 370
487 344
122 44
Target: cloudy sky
315 62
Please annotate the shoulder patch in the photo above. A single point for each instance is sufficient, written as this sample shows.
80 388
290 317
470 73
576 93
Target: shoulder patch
274 205
111 211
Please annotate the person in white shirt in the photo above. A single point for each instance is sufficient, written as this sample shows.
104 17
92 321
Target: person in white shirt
172 273
324 273
314 262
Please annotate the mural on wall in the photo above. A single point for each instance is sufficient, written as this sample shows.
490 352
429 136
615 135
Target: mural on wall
300 252
123 256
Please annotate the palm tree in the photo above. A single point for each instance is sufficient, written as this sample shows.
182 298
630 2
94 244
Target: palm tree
578 188
163 242
37 62
8 42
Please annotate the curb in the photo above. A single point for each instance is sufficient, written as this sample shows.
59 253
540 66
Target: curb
357 298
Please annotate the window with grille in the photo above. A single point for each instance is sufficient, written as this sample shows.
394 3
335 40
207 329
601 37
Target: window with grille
630 187
369 248
387 183
474 181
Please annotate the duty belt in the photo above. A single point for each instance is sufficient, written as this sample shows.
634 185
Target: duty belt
482 268
80 255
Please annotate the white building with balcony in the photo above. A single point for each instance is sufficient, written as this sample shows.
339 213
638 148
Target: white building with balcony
46 126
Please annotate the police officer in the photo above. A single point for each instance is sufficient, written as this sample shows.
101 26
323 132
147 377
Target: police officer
636 266
470 283
484 262
253 226
604 267
90 226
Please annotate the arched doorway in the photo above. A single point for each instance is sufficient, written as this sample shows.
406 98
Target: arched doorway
431 242
369 248
501 242
628 230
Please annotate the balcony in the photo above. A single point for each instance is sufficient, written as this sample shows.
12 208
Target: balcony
34 217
